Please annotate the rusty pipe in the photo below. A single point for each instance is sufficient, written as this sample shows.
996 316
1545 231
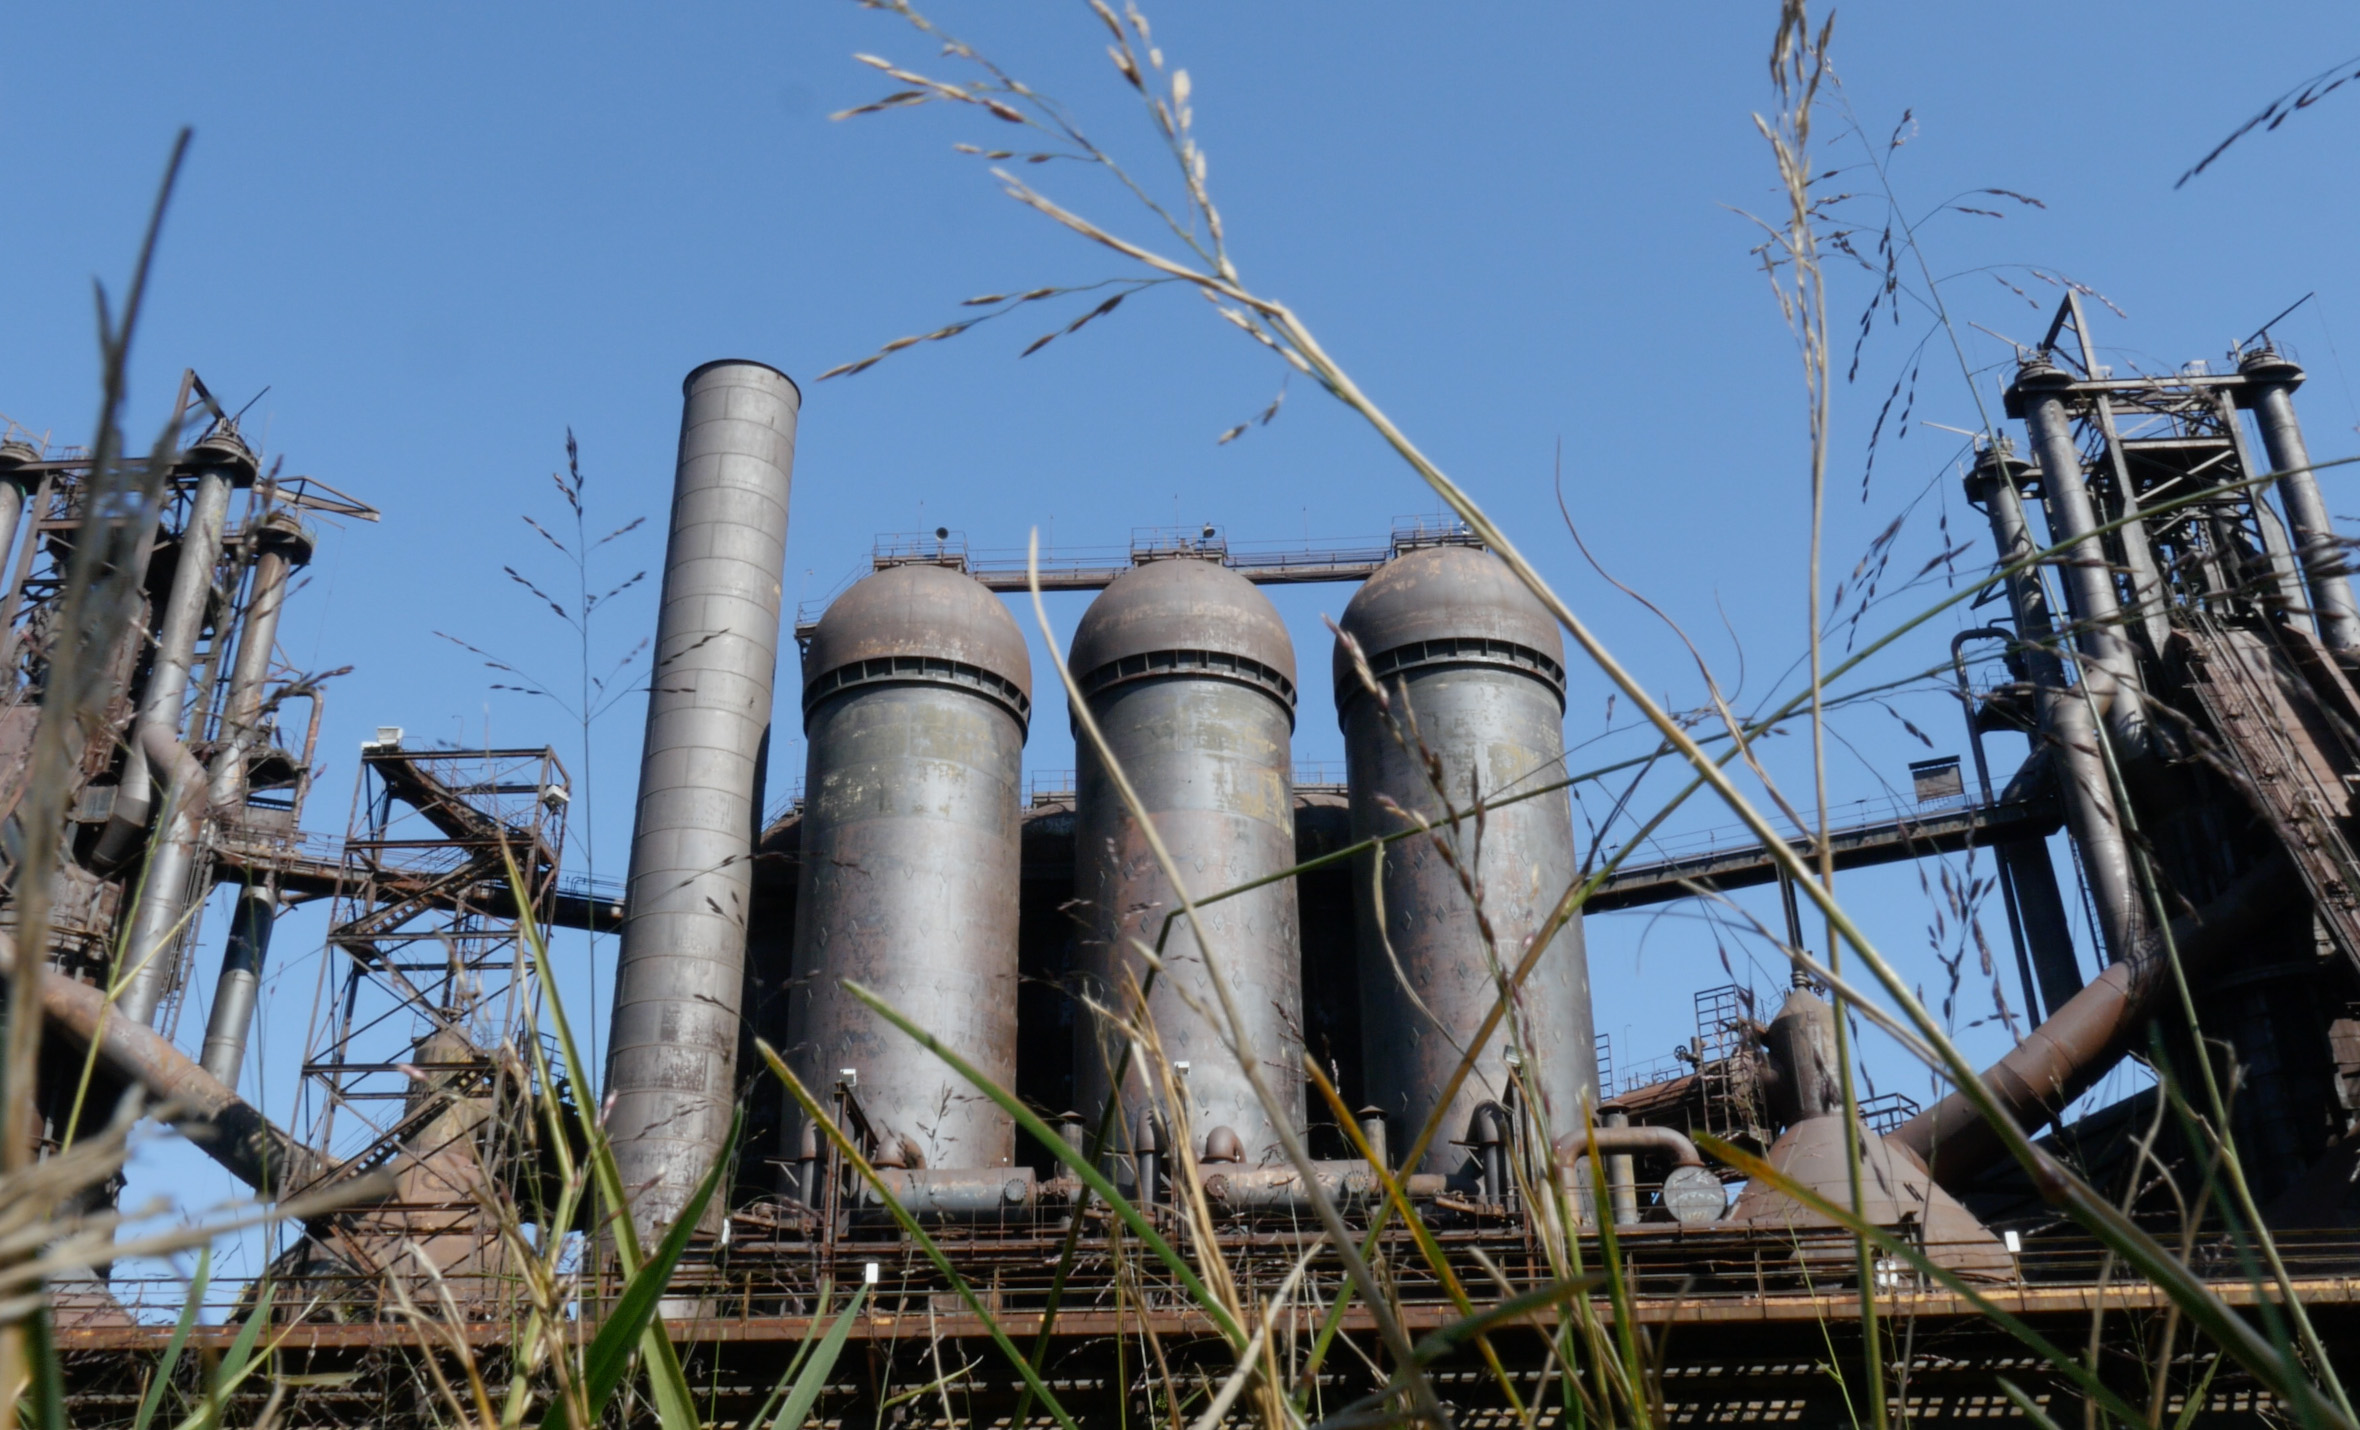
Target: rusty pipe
2065 1056
1667 1142
1279 1188
223 1125
958 1193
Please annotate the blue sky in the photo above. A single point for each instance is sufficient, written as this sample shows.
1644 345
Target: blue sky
441 235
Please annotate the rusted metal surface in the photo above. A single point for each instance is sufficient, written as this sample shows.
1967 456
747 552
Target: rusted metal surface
1096 568
1190 676
226 1127
1755 1282
389 1078
1466 651
1616 1140
915 710
2284 716
2066 1055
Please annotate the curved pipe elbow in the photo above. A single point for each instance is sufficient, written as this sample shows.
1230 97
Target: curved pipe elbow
174 767
1664 1142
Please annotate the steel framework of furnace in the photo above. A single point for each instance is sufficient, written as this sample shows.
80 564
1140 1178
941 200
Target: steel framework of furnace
58 501
435 1000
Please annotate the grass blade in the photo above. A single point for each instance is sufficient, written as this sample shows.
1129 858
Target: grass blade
634 1315
153 1400
1090 1176
814 1378
916 1233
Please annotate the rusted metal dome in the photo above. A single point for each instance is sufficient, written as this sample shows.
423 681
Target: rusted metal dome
919 623
1184 616
1448 605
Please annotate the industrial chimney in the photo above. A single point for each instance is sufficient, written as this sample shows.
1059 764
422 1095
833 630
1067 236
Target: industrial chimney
671 1065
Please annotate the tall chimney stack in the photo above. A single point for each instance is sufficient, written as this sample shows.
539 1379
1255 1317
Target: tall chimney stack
672 1061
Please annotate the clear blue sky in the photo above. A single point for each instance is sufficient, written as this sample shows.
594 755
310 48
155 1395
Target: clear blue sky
442 234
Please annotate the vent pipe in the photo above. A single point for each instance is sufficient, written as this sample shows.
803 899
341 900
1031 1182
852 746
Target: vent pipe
2109 661
2068 730
672 1059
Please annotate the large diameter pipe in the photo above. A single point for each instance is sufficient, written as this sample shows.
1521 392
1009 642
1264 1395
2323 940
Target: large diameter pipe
2065 1056
224 1126
1190 676
2037 901
1669 1143
282 544
2274 380
191 597
916 699
16 488
672 1064
166 891
2068 730
240 987
1461 649
222 460
2109 661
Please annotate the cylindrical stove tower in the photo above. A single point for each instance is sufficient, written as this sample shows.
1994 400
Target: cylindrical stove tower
1481 666
672 1062
916 697
1191 678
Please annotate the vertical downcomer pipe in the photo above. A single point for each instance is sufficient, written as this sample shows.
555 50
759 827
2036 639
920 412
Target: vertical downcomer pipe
672 1059
224 458
281 543
1622 1176
2109 660
165 895
2275 379
1481 666
917 693
2067 730
1191 677
16 488
241 981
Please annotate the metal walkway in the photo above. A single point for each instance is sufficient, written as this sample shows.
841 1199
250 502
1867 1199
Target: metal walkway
1733 859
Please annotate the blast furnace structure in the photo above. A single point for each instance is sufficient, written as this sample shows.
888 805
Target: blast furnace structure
1391 960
